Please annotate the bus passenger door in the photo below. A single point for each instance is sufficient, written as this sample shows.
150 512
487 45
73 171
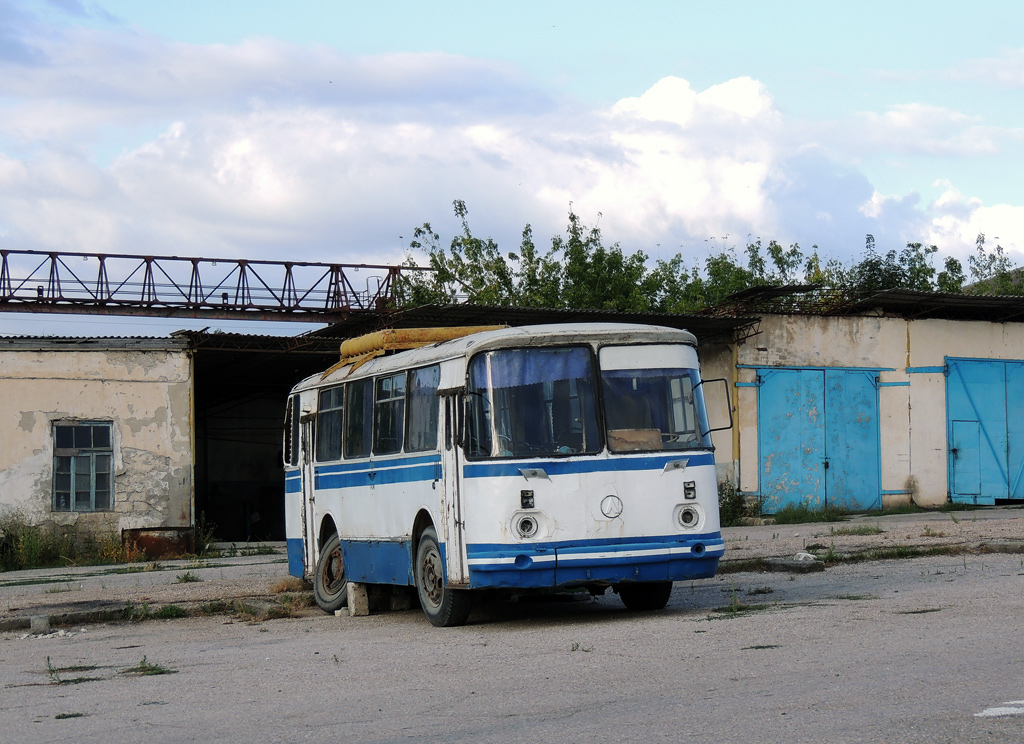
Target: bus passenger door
306 468
453 530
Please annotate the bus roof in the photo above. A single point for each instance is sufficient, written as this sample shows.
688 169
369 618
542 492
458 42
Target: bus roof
533 335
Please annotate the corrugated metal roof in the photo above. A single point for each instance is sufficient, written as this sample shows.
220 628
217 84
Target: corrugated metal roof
904 303
704 327
78 343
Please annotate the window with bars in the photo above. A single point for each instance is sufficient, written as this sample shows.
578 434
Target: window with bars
82 467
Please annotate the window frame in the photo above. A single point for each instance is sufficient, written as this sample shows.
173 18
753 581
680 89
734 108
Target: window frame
389 407
413 411
324 417
478 409
82 460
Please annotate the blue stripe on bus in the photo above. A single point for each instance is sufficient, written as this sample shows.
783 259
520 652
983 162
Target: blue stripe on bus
378 464
379 472
379 477
591 465
610 560
293 484
610 543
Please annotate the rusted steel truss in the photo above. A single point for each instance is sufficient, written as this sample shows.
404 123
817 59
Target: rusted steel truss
171 286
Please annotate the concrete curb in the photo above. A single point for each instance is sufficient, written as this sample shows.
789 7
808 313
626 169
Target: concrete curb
261 608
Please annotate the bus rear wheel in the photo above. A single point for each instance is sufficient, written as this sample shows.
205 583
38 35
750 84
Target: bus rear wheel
330 588
443 606
645 595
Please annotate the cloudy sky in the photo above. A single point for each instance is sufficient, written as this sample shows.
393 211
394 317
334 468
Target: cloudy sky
326 131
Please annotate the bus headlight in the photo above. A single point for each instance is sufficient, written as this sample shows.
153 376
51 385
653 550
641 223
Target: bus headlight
689 516
527 525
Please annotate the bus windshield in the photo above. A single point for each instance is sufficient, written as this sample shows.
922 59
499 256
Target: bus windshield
651 399
531 402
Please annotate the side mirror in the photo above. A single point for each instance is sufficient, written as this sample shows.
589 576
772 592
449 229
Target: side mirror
722 400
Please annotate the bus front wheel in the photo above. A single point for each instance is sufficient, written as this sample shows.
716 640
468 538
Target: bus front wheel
442 605
645 595
330 588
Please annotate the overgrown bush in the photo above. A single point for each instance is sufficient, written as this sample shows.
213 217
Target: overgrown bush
732 505
24 545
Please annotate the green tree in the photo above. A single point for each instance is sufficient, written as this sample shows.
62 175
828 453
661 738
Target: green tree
580 271
595 276
992 272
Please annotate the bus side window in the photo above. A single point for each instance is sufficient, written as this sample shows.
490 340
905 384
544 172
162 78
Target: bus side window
389 414
422 409
358 417
329 424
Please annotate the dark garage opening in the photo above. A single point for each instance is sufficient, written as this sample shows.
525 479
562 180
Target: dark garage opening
241 386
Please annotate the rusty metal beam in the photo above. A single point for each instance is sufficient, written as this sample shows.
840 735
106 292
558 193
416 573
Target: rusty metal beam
191 287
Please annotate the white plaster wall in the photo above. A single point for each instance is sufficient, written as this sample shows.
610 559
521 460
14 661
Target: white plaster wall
147 396
716 362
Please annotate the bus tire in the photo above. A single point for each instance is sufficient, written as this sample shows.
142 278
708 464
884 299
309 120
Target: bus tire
645 595
330 588
444 607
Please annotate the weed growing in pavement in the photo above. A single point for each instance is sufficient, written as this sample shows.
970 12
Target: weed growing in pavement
910 508
146 668
736 609
760 590
204 538
54 673
61 588
577 647
258 550
170 612
804 514
861 529
62 716
187 578
290 584
929 532
760 647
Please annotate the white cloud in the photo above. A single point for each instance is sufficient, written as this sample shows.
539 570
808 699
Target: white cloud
916 128
958 220
266 150
1006 70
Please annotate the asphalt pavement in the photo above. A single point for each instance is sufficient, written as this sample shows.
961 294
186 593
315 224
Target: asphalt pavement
255 577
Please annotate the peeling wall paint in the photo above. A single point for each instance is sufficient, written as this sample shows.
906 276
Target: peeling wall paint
145 393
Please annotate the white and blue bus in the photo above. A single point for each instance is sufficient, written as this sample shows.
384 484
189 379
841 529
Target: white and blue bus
524 458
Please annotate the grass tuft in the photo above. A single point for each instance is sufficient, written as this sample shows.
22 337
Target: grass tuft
804 514
146 668
860 529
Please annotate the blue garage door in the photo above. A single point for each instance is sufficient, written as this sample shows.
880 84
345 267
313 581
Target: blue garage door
818 439
985 429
